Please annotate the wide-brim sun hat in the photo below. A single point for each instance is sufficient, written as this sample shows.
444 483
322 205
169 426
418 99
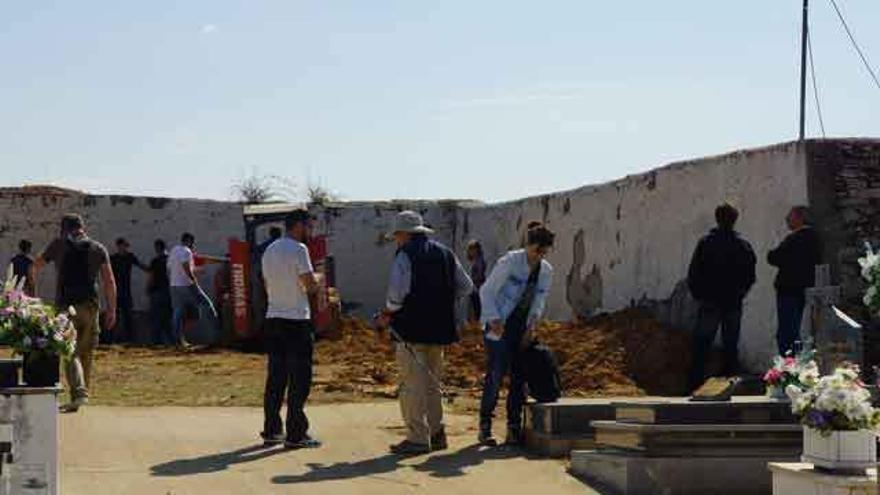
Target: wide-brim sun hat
410 222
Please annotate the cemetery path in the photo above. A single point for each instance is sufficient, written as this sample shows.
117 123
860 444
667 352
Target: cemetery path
184 450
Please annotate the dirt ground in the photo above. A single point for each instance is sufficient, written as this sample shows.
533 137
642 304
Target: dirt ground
623 354
197 450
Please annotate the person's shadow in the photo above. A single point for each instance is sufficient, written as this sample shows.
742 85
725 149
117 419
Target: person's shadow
439 466
213 463
454 464
344 470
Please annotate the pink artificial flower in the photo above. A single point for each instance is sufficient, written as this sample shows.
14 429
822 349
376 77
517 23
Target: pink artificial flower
773 376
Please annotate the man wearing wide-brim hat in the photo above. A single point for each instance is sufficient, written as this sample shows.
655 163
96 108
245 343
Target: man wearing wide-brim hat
425 291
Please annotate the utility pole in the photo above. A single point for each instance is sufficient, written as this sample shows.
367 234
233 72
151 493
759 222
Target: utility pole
804 31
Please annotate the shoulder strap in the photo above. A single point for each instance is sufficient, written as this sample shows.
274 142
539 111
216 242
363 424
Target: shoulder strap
528 295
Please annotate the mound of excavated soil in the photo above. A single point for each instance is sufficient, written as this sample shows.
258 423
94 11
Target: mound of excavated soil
624 353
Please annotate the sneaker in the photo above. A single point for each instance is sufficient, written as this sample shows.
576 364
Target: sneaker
438 441
486 439
74 405
271 440
410 448
305 442
514 437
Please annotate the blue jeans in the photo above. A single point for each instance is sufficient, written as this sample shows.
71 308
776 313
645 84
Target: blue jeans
191 296
789 311
501 358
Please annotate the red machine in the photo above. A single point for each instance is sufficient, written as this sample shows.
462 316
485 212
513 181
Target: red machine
247 295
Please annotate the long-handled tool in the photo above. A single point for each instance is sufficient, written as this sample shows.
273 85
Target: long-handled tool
448 395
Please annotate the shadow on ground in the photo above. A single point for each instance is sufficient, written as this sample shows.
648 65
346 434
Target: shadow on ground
213 463
439 466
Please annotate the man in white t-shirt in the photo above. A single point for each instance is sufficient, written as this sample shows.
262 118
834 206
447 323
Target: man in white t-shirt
185 289
289 278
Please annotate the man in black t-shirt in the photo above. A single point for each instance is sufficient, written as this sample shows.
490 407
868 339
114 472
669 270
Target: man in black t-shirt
23 267
122 262
160 295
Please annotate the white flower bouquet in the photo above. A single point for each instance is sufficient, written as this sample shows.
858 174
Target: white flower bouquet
870 264
30 326
836 402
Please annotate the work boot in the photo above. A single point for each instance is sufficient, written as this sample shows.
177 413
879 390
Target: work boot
408 448
514 437
438 441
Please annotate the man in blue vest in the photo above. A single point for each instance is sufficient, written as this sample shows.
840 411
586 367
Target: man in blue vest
427 287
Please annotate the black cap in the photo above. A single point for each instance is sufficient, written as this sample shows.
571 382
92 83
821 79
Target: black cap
71 221
297 216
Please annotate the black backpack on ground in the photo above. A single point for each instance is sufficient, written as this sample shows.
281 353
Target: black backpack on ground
542 373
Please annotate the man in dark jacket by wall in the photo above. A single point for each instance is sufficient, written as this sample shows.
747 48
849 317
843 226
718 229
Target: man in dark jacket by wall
721 273
796 257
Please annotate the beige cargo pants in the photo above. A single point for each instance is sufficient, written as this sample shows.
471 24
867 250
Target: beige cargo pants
420 398
79 367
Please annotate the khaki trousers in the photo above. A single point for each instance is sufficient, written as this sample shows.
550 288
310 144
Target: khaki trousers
421 402
79 367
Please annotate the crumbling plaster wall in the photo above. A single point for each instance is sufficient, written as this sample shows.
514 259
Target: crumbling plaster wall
630 241
360 241
35 216
622 243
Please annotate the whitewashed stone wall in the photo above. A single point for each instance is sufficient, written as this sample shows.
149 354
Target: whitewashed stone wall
618 244
35 215
630 241
358 236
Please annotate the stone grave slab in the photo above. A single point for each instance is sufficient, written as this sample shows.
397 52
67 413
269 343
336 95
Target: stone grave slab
703 440
623 473
739 410
555 429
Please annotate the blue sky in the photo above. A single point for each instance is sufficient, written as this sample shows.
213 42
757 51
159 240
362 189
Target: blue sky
490 100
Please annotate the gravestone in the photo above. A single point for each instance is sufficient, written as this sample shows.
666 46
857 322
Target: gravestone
666 445
836 337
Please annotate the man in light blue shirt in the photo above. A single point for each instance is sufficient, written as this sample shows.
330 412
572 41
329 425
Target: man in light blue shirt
513 300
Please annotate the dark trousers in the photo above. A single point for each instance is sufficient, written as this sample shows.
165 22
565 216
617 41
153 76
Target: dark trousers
709 318
501 358
789 311
476 306
289 344
124 328
160 317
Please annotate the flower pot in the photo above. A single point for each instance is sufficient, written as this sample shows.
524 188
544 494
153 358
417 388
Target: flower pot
777 393
40 369
9 372
840 451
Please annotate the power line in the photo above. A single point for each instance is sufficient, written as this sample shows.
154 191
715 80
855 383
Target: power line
815 87
856 45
